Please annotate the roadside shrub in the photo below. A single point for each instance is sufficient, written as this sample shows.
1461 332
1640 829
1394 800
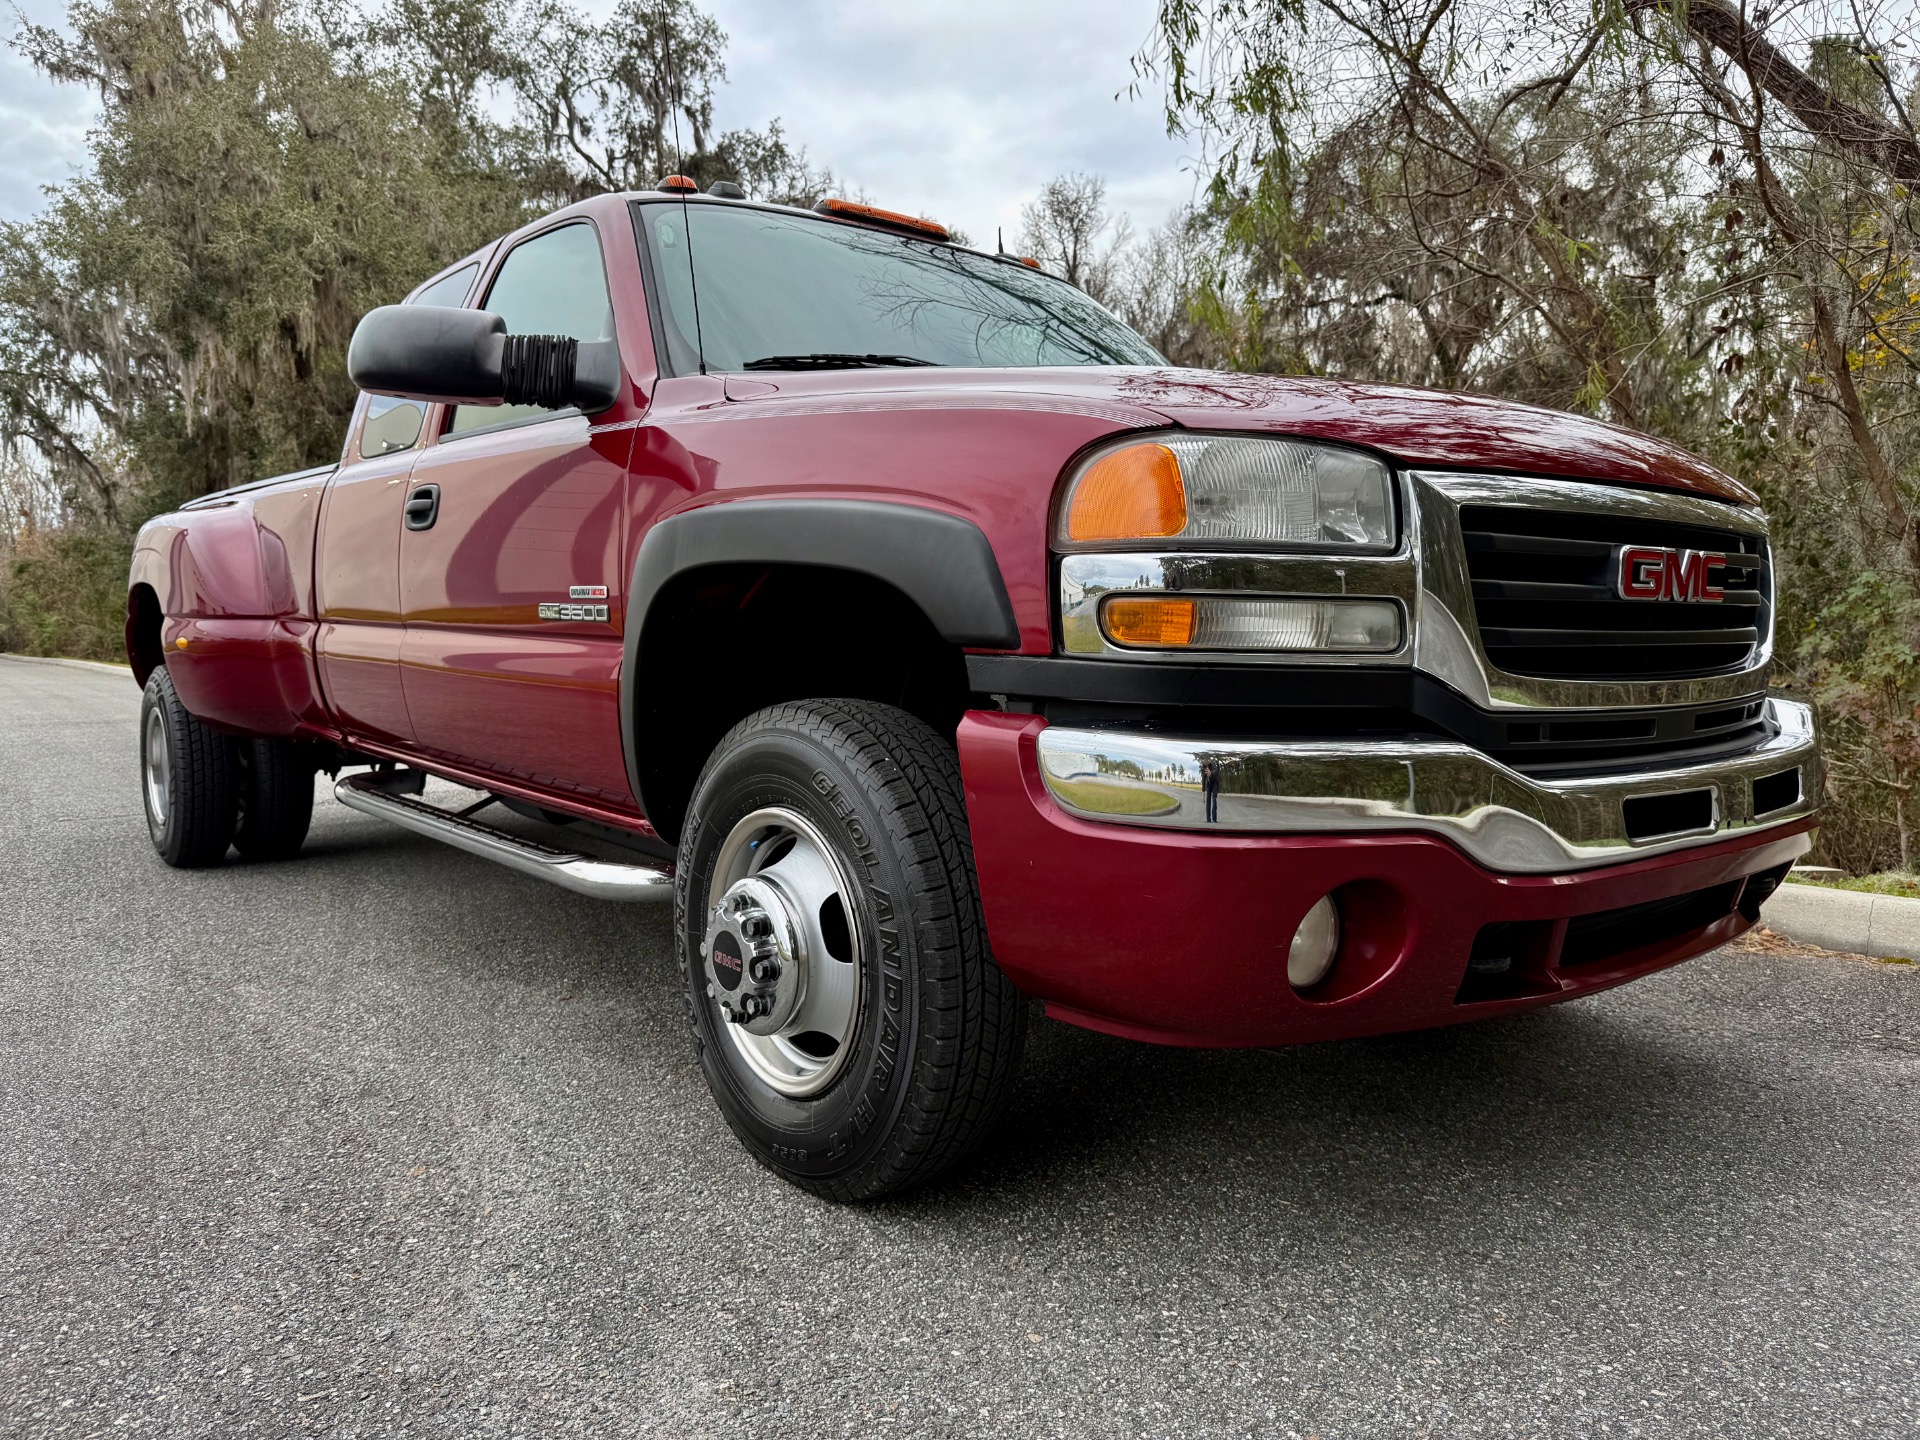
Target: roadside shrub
64 593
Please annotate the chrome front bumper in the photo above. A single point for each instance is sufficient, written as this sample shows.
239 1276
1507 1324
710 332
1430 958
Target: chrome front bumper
1507 821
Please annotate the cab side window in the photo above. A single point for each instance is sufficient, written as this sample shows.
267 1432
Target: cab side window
391 424
553 284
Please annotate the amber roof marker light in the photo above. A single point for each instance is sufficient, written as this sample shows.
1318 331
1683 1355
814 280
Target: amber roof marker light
680 184
885 219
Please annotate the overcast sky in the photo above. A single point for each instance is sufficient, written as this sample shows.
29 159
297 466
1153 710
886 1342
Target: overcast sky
958 109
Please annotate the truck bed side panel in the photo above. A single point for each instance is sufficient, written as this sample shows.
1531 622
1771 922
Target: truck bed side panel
233 578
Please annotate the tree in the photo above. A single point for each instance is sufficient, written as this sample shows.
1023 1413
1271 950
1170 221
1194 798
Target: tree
1688 217
251 193
619 104
1159 284
1070 232
264 172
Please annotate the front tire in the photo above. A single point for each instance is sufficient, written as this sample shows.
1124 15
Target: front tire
186 779
826 902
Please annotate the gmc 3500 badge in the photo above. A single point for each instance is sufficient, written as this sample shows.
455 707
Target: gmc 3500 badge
554 610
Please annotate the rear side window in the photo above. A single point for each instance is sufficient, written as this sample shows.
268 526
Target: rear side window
392 425
449 292
552 284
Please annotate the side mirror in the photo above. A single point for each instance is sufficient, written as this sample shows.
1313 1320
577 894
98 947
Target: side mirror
466 357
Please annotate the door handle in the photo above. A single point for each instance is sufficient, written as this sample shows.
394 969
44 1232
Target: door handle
422 507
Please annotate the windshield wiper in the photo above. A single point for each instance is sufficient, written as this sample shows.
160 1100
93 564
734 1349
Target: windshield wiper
828 361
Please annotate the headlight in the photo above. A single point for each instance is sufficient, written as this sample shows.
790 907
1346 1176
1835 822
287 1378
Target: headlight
1230 491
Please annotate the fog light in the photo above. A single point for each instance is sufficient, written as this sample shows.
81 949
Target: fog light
1314 946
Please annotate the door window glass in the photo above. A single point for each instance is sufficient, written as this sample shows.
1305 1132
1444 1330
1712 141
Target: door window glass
553 284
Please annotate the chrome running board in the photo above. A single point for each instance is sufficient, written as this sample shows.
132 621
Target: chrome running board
583 874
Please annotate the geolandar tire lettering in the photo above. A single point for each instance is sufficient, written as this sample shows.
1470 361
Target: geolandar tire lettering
851 1024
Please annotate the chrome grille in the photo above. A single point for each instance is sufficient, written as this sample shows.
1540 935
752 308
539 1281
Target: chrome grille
1546 606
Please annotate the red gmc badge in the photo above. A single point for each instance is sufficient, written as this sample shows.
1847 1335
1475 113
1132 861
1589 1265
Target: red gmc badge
1645 572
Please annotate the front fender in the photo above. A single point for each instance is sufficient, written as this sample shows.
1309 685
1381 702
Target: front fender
941 562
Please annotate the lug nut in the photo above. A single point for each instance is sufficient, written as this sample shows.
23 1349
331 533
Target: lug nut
764 969
754 1005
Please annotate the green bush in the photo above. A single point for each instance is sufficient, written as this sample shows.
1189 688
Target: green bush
64 593
1888 883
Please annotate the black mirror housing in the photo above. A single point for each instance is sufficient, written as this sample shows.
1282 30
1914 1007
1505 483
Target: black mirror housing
429 353
596 376
466 357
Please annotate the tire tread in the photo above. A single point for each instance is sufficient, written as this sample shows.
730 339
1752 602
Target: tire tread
277 808
973 1021
204 799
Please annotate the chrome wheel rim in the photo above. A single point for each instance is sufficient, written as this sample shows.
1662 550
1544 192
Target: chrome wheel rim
780 893
156 767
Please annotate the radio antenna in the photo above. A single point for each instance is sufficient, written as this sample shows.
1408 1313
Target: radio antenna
676 101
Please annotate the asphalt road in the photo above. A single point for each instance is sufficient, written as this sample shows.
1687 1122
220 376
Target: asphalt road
388 1141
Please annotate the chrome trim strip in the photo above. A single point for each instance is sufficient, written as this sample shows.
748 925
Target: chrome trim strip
583 874
1507 821
1087 579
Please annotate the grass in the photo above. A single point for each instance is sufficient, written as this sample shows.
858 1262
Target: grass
1110 799
1887 883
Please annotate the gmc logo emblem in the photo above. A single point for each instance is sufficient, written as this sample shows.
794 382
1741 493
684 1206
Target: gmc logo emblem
1646 573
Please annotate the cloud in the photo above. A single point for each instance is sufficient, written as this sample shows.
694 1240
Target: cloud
959 109
43 126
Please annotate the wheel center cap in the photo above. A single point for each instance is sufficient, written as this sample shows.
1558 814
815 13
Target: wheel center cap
755 957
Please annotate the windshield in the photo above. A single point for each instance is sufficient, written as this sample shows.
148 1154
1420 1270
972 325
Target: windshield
783 292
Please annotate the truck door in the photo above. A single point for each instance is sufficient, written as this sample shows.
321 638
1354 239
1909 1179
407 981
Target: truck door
357 554
512 587
357 585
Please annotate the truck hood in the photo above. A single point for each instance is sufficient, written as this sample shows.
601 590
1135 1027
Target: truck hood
1438 428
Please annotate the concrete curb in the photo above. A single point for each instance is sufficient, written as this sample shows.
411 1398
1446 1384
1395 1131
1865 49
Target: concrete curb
62 660
1850 920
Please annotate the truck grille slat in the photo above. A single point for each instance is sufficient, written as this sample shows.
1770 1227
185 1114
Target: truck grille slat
1620 639
1544 596
1493 542
1548 592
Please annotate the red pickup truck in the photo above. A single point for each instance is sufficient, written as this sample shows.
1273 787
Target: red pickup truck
904 620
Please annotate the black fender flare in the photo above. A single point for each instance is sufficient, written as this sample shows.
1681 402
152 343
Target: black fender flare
941 562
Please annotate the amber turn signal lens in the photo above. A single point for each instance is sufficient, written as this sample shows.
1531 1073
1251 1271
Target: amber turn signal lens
1129 494
1149 620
